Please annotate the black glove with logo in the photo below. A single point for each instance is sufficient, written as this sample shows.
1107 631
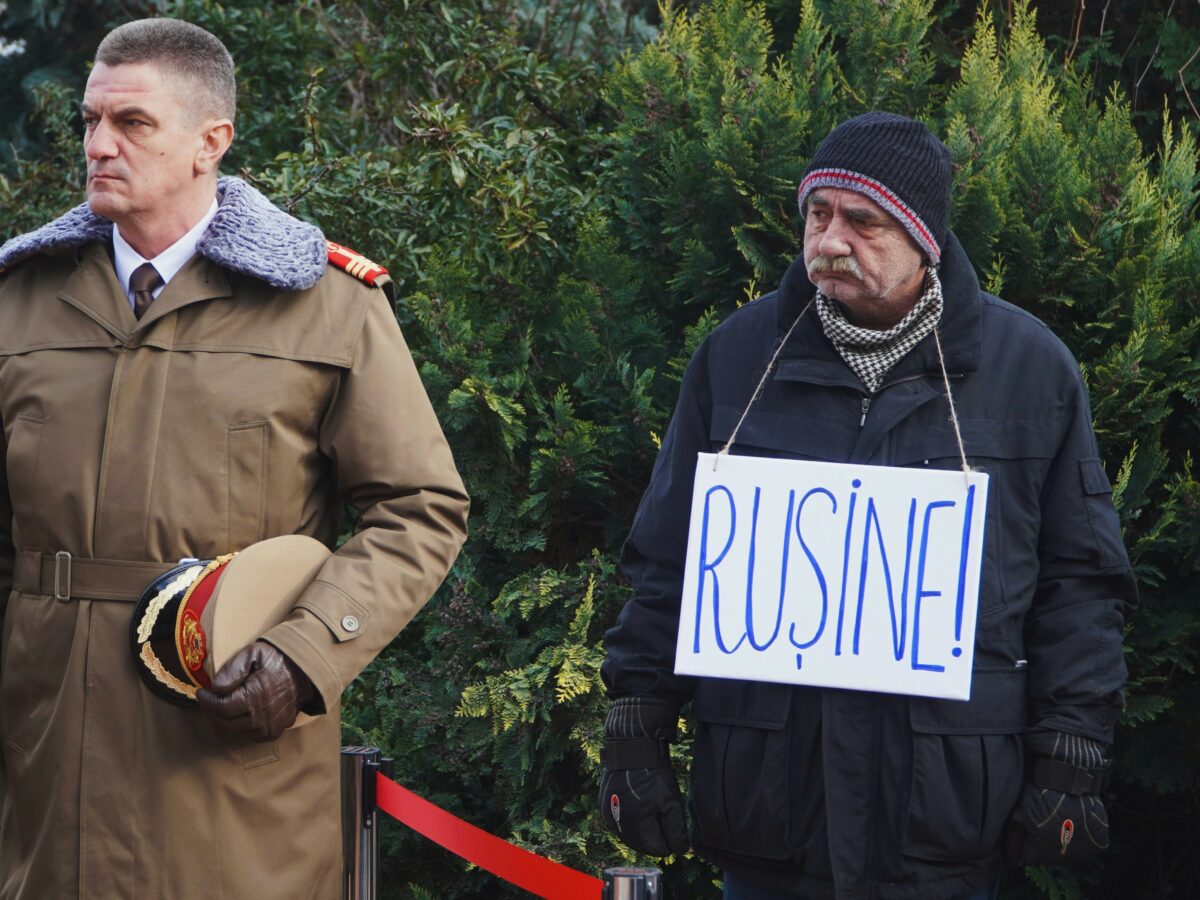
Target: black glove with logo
1060 817
639 796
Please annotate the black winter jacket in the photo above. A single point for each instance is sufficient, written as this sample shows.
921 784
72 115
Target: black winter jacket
861 795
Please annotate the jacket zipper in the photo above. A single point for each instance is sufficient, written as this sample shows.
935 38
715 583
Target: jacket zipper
866 401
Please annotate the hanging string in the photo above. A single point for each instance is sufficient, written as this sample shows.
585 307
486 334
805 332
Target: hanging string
762 381
962 453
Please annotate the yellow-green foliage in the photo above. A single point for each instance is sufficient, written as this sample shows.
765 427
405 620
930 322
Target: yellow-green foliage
573 666
568 210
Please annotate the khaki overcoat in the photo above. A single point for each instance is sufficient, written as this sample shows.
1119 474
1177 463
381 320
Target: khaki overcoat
232 412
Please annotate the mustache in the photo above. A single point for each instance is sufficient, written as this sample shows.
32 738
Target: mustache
847 265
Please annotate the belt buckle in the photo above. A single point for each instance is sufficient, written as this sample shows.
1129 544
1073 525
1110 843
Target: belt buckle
59 558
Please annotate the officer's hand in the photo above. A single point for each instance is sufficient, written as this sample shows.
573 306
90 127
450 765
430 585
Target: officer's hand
257 694
639 796
1050 826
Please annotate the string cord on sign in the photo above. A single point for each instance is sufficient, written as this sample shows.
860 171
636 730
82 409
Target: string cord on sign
962 452
761 382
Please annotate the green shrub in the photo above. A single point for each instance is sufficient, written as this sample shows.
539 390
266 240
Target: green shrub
566 221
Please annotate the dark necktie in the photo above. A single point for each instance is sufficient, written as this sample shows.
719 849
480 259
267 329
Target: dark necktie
143 282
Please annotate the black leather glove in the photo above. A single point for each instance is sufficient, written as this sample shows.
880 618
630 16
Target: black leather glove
639 796
1060 817
256 694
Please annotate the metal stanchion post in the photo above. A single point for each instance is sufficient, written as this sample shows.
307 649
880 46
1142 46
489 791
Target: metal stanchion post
360 836
632 884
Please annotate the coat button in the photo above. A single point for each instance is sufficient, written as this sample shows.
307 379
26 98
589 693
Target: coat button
349 623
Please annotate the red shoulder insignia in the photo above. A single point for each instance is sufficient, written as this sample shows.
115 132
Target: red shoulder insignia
358 265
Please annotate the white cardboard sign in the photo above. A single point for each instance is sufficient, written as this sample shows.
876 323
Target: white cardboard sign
848 576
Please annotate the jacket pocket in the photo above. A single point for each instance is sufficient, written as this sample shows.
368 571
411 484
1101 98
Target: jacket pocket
22 463
1010 452
739 770
967 768
39 643
256 755
1101 514
779 435
247 445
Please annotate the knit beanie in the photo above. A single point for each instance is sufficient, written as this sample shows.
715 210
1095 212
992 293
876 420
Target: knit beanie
898 163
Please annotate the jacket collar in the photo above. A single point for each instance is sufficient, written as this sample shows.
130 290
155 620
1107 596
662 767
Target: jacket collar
248 235
809 352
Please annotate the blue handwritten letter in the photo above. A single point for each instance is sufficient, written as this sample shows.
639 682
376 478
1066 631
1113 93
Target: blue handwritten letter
707 567
921 592
816 570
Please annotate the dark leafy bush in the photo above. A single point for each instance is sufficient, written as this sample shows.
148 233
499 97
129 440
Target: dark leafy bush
570 201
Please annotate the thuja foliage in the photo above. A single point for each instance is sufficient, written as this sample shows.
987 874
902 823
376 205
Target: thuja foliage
569 202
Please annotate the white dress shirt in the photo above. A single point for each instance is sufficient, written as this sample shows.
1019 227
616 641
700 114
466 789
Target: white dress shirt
167 264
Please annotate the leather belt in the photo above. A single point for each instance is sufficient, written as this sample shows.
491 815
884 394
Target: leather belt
65 577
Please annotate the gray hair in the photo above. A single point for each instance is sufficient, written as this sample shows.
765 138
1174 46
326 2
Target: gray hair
179 48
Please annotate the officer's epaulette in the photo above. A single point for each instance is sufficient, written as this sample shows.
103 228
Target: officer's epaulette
360 267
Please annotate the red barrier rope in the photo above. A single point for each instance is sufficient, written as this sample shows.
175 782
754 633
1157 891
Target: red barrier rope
542 877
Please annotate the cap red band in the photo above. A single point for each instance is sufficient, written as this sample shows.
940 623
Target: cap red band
191 643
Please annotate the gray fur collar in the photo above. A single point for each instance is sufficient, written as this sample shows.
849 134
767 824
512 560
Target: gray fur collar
248 235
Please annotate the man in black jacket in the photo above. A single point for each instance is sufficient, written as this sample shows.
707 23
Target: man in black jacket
807 792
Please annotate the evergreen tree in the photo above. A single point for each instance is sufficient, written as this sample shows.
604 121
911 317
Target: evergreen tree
566 221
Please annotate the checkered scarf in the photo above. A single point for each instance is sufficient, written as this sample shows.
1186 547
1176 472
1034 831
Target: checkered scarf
871 354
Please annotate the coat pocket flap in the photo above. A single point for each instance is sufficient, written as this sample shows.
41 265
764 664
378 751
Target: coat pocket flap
1095 479
751 704
997 706
994 439
782 433
16 345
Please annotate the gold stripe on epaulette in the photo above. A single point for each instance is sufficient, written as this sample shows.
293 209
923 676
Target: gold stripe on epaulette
355 264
